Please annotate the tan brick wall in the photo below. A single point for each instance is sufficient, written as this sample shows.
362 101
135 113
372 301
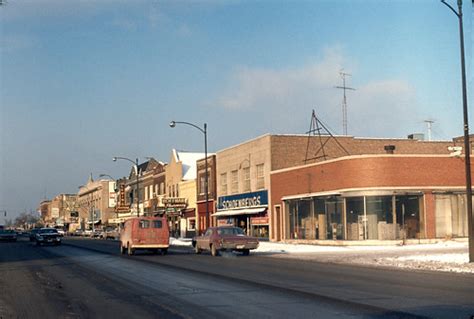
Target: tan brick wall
255 152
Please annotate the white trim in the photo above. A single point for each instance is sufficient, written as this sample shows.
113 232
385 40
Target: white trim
234 212
373 191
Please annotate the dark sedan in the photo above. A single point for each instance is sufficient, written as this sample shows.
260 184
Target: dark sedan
48 236
217 239
8 235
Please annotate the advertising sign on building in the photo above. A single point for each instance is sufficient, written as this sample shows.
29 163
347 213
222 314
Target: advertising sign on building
54 212
253 199
112 195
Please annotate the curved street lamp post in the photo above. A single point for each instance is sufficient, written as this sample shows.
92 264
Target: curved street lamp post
115 158
467 149
206 178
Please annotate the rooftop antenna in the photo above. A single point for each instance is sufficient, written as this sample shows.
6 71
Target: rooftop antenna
429 123
324 135
344 101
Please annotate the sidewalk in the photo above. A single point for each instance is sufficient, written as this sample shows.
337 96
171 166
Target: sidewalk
448 256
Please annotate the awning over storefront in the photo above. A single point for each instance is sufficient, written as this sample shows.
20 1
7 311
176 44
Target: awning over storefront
244 211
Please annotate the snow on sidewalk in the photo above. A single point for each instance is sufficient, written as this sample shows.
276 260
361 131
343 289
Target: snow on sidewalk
448 256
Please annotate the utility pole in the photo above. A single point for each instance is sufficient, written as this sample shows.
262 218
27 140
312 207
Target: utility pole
344 101
467 144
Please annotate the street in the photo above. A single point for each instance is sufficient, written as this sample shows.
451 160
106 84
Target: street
85 278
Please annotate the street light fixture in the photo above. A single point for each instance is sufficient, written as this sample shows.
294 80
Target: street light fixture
467 149
206 182
115 158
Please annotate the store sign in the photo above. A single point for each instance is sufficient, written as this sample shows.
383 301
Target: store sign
54 212
243 200
225 222
259 220
175 202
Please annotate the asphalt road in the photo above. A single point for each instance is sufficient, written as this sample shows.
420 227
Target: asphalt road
96 282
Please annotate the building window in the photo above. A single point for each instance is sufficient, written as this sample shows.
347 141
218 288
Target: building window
246 178
234 182
146 192
202 184
260 177
224 184
162 188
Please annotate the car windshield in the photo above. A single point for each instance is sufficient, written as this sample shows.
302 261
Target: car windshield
230 231
48 230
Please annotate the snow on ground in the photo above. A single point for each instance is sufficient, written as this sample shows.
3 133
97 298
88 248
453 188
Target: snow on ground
448 256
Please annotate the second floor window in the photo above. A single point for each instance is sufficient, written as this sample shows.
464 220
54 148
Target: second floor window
234 182
202 184
260 177
246 179
224 184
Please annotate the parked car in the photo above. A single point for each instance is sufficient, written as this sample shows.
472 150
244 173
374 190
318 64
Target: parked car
217 239
33 233
87 233
111 233
150 233
48 236
8 235
78 232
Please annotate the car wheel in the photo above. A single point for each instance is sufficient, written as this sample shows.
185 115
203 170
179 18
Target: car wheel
197 250
214 251
130 250
246 252
164 251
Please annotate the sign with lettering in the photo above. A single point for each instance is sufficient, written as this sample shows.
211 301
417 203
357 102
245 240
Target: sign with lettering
175 202
246 200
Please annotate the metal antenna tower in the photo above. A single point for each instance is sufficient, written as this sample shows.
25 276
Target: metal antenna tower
429 123
315 128
344 101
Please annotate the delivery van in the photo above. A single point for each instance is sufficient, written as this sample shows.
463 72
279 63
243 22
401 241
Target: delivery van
148 233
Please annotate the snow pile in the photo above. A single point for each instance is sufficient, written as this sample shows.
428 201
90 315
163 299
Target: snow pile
449 256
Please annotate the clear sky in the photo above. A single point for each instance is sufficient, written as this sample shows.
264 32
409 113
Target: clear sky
83 81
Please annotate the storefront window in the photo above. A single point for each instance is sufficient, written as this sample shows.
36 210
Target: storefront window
334 216
302 223
380 223
408 215
356 220
451 216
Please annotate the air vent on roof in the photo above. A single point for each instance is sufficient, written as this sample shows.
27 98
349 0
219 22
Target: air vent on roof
416 136
389 149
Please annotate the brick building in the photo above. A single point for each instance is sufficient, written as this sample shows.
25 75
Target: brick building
413 191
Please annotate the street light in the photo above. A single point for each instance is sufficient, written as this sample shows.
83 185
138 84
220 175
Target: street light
467 149
115 158
206 182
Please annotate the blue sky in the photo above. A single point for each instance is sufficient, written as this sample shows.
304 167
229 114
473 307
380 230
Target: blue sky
83 81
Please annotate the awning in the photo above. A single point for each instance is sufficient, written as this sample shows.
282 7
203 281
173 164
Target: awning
235 212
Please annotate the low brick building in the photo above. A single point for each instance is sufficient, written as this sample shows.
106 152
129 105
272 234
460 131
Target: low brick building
372 197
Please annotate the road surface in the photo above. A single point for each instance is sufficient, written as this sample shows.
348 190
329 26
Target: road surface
86 278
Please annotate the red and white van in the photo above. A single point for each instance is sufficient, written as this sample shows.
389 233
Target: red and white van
150 233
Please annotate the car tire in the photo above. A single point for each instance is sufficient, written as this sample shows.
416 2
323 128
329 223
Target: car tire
246 252
130 250
164 251
197 250
214 251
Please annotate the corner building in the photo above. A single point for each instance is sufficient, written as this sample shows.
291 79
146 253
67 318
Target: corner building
371 197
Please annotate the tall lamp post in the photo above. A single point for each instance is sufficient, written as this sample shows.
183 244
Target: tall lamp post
206 178
115 158
467 149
